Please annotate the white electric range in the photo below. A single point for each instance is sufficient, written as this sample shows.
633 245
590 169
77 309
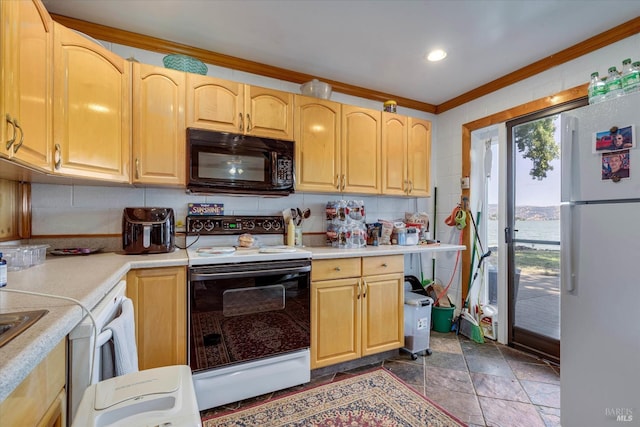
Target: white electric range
249 309
213 239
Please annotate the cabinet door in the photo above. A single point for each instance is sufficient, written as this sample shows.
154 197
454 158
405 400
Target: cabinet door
394 154
382 313
56 415
268 113
39 400
419 157
214 104
159 136
335 321
91 121
317 136
26 66
160 306
360 152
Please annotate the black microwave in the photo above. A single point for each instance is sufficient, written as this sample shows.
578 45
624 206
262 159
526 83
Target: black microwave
221 162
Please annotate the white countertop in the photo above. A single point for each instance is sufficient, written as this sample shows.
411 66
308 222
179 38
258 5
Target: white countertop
88 279
326 252
85 278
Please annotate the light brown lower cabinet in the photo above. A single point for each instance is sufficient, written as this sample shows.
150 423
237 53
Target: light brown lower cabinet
357 308
159 302
40 400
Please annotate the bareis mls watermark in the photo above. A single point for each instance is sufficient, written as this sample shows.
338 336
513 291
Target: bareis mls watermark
619 414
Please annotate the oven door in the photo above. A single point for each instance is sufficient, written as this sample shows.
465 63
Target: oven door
242 312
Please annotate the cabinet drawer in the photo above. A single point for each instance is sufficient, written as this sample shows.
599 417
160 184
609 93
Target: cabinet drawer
382 265
335 268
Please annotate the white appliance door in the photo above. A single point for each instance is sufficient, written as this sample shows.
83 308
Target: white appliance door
600 326
582 161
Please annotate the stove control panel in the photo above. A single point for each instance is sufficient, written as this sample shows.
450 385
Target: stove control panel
231 224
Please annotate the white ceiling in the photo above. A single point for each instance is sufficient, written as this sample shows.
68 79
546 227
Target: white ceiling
378 45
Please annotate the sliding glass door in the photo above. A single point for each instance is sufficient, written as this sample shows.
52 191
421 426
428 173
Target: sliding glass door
532 233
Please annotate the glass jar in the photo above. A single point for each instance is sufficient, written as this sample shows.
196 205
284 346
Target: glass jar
390 106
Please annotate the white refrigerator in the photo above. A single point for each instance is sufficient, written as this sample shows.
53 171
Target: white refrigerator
600 265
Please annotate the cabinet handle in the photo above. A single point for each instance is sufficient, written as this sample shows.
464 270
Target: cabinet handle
137 168
359 290
338 182
241 127
12 140
364 293
337 269
385 265
57 156
19 144
249 125
406 186
410 186
344 181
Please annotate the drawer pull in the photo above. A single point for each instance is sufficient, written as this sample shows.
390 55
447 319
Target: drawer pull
364 287
337 269
359 290
385 265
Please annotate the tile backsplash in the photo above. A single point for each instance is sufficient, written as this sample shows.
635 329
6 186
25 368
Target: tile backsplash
92 210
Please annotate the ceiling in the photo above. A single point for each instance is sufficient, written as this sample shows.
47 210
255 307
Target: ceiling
375 44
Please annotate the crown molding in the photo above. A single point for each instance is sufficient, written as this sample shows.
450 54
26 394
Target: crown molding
127 38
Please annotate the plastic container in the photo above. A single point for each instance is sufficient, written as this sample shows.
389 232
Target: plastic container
442 318
631 78
417 322
317 89
24 256
597 89
614 84
3 272
412 236
489 321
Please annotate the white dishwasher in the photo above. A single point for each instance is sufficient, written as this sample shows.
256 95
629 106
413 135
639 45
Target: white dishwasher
81 345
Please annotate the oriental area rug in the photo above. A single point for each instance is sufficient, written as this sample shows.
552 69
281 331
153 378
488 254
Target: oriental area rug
375 398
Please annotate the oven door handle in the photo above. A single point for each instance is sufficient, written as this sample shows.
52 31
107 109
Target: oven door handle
255 273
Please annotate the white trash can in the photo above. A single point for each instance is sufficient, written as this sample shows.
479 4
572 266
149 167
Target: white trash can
417 323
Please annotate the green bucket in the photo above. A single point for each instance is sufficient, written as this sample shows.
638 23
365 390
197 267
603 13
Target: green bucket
441 318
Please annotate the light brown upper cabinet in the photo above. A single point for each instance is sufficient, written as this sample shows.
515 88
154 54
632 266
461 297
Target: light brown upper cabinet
419 157
394 154
317 141
360 150
91 117
406 155
227 106
26 58
159 135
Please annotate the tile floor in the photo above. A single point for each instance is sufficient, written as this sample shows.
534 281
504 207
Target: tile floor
485 384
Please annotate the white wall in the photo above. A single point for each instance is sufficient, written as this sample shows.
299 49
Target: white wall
447 147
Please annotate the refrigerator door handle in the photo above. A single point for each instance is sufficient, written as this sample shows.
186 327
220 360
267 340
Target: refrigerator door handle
566 158
566 248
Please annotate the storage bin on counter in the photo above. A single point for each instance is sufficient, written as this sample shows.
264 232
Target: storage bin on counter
23 256
417 323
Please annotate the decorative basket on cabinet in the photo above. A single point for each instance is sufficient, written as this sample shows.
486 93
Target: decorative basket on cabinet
184 63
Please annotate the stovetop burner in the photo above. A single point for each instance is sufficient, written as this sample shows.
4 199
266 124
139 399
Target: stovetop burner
213 239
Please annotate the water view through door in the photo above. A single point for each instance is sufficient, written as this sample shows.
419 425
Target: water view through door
533 232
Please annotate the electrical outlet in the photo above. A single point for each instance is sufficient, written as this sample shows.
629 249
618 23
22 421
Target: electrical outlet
464 182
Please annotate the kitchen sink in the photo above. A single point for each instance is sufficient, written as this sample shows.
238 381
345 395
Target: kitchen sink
14 323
